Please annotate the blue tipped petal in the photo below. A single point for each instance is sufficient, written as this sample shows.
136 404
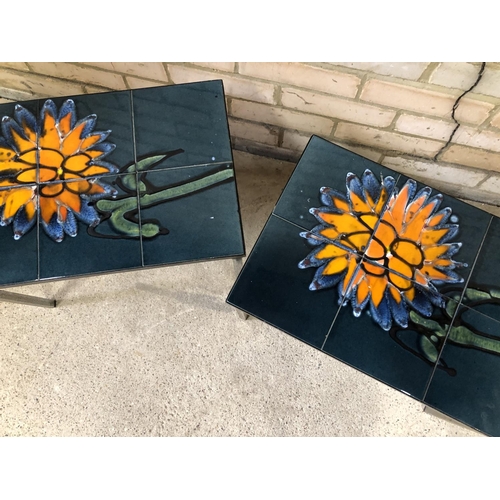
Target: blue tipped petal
21 224
389 184
70 225
382 314
68 107
357 307
445 213
88 214
421 303
105 148
113 169
312 238
90 122
328 195
354 185
109 191
399 310
321 281
53 229
25 117
371 184
8 125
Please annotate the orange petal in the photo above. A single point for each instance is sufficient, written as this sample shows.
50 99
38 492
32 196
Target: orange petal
408 251
432 236
396 294
410 294
72 141
47 174
76 163
400 267
398 281
376 270
71 200
382 200
350 272
362 291
62 213
329 252
22 143
49 158
370 220
29 175
413 229
433 252
65 124
433 273
385 233
377 288
344 223
6 154
96 170
90 141
359 240
330 233
341 204
50 136
398 207
48 207
17 199
336 265
358 204
29 157
375 250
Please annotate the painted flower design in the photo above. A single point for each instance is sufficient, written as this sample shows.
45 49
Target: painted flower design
384 248
52 164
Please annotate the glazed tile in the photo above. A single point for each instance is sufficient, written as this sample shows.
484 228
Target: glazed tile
322 164
189 213
188 120
465 387
112 244
106 112
483 289
19 261
272 288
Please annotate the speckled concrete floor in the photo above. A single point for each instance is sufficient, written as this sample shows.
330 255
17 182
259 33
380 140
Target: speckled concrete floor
159 353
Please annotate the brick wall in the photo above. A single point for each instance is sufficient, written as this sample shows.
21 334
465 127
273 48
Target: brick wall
398 114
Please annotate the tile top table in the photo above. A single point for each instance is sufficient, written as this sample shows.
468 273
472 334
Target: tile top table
386 275
118 180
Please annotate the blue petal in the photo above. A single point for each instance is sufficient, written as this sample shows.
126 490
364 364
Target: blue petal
421 303
109 192
321 281
25 117
354 185
70 225
9 124
452 231
382 313
54 229
89 125
105 148
399 311
21 224
357 307
312 238
68 107
371 184
389 184
328 194
445 212
88 215
48 108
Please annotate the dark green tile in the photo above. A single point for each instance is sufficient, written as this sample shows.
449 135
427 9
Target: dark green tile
467 388
105 247
188 117
483 292
190 214
322 164
272 288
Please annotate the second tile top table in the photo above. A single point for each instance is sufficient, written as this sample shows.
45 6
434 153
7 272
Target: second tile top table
386 275
118 180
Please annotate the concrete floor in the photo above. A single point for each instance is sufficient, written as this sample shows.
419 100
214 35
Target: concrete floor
158 352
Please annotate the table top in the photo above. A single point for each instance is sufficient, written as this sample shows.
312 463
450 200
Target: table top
113 181
387 275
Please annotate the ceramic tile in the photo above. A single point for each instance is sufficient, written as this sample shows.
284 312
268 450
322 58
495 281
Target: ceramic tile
104 121
483 289
18 234
466 385
271 286
71 243
322 164
189 214
186 121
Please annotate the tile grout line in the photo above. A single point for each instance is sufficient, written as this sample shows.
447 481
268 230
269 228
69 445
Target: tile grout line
38 197
136 173
456 310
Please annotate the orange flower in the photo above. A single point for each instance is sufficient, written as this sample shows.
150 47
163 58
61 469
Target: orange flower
383 247
53 165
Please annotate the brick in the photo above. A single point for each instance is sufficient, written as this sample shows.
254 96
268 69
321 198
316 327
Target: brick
385 140
3 101
333 107
491 185
463 75
265 150
425 101
140 83
294 140
70 71
472 157
221 66
14 95
281 117
304 75
148 70
21 66
253 131
234 86
435 173
37 86
483 139
496 120
425 127
366 152
406 70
